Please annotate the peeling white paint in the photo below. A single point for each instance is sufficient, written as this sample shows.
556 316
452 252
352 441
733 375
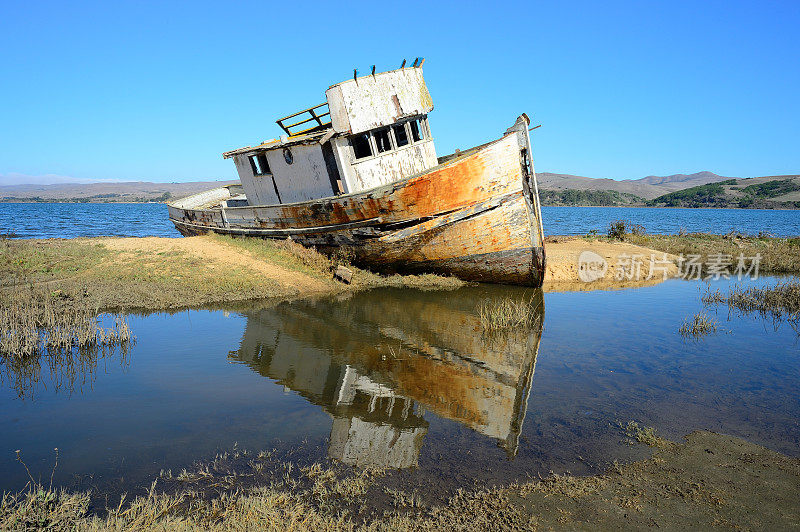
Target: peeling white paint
369 102
392 166
254 186
305 179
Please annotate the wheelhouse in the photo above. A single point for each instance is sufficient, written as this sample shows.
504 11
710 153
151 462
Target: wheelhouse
371 130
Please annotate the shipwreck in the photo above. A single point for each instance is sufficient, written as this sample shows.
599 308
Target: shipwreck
360 171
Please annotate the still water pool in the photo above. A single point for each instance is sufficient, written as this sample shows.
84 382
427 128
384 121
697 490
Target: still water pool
406 380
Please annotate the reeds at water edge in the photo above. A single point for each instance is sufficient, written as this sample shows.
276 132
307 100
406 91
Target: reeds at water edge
58 331
34 320
698 326
781 301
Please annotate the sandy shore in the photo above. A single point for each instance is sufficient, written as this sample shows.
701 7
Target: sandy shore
161 273
563 261
625 265
144 274
219 257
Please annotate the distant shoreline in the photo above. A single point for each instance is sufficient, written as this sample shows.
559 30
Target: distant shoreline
108 192
54 202
72 202
675 208
702 190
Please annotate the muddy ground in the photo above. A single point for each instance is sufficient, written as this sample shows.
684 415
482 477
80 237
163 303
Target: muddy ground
707 482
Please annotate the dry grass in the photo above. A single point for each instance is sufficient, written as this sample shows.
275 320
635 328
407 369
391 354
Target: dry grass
265 508
268 494
698 326
34 320
59 329
163 276
778 255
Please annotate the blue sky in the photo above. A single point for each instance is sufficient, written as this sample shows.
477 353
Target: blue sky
157 91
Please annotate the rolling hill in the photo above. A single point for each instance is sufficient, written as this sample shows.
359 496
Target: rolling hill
649 187
702 189
106 192
770 192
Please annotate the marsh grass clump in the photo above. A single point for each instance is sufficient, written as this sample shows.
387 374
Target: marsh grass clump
620 229
639 434
781 301
712 297
507 313
776 255
698 326
617 229
56 331
66 370
41 508
34 321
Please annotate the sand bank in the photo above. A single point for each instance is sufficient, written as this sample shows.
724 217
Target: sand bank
162 273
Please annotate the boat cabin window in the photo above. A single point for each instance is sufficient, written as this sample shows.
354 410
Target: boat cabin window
400 135
382 140
361 145
259 164
387 139
416 131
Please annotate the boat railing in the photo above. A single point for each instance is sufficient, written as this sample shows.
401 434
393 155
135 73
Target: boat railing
315 117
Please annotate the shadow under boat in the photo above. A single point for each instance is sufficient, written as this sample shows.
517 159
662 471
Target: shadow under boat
377 361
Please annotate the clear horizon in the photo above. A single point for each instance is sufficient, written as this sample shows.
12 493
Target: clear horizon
623 90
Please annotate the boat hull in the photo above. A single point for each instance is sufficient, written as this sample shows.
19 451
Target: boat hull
475 217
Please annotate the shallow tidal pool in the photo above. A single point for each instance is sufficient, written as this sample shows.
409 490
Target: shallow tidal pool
406 380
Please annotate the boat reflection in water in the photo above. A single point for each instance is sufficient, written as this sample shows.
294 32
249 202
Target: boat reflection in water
376 361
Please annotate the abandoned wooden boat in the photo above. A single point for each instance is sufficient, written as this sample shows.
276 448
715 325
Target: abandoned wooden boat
360 171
